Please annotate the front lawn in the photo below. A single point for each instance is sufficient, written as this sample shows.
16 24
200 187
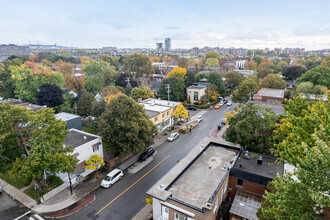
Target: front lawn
14 180
51 184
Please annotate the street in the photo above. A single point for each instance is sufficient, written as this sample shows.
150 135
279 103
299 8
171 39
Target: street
126 197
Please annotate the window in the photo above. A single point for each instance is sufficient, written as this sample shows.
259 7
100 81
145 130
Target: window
239 182
163 115
96 148
215 206
156 118
226 185
195 96
179 217
168 113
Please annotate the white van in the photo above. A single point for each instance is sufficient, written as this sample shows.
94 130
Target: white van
112 177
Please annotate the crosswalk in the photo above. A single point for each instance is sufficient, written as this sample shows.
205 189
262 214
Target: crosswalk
29 216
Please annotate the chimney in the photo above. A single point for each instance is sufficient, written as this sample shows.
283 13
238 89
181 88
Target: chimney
259 161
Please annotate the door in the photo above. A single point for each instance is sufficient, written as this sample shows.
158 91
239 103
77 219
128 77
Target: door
165 212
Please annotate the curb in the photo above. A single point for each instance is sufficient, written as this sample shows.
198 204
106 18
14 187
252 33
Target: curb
63 216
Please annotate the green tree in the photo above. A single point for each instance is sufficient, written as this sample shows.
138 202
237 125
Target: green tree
303 136
246 89
326 62
143 92
98 75
177 89
252 127
212 54
68 105
215 79
28 77
126 127
318 76
273 81
84 104
233 79
212 63
280 66
46 147
128 89
293 72
98 108
305 88
138 64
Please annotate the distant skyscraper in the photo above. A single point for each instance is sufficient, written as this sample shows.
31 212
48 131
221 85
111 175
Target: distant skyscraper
159 48
167 45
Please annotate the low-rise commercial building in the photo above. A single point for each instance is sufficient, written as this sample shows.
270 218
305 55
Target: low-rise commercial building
195 92
270 95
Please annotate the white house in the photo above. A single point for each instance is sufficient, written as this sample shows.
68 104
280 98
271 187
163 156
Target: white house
84 145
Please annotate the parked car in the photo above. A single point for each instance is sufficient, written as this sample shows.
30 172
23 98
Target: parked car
192 108
223 121
229 103
221 103
220 97
217 106
173 136
148 153
225 101
111 178
199 118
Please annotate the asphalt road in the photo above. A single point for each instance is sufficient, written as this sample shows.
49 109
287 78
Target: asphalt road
127 197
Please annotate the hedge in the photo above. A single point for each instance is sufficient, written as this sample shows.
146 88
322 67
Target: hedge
205 106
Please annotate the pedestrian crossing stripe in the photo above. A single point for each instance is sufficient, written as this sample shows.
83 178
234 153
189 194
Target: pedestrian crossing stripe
37 217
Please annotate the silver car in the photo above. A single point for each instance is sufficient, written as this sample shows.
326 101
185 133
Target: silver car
173 136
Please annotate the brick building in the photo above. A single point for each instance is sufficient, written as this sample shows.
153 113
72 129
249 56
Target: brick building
270 95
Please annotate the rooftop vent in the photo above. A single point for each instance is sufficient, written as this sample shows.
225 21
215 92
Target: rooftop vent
162 186
85 137
240 165
202 146
259 161
208 205
246 155
224 167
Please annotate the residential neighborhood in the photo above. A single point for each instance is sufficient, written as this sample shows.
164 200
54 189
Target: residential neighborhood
181 127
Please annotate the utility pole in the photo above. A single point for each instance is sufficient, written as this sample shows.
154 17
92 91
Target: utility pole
167 86
70 183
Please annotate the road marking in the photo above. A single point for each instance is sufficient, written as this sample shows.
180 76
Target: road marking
22 215
38 217
204 126
132 185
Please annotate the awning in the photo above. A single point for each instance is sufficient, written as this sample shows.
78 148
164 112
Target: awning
246 204
79 167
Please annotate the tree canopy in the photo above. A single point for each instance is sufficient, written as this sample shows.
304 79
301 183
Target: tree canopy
303 136
177 71
177 89
318 76
28 77
273 81
293 72
126 127
212 54
138 64
45 138
245 89
252 127
233 79
143 92
84 104
215 79
49 95
180 111
212 63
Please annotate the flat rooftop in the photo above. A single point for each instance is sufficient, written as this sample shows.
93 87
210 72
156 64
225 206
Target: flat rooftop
277 108
160 102
277 93
151 113
197 184
66 116
76 138
268 168
155 108
195 179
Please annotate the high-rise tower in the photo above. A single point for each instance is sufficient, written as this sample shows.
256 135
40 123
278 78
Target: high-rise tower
167 45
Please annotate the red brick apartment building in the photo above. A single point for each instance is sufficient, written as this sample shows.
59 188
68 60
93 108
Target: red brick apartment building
270 95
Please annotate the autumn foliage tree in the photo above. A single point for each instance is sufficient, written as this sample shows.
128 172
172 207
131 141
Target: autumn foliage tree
273 81
143 92
71 81
94 162
154 59
180 111
177 71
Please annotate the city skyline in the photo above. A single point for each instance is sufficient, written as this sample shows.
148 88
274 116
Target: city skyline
253 24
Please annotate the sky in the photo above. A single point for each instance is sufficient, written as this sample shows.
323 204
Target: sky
138 24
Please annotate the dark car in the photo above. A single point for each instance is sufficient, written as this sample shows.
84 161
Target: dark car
192 108
146 154
225 101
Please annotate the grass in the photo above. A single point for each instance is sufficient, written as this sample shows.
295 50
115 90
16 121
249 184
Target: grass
89 130
44 189
14 180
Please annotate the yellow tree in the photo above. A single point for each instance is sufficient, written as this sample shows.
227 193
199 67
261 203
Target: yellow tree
212 92
111 96
84 59
177 71
251 65
94 162
180 111
155 59
34 58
